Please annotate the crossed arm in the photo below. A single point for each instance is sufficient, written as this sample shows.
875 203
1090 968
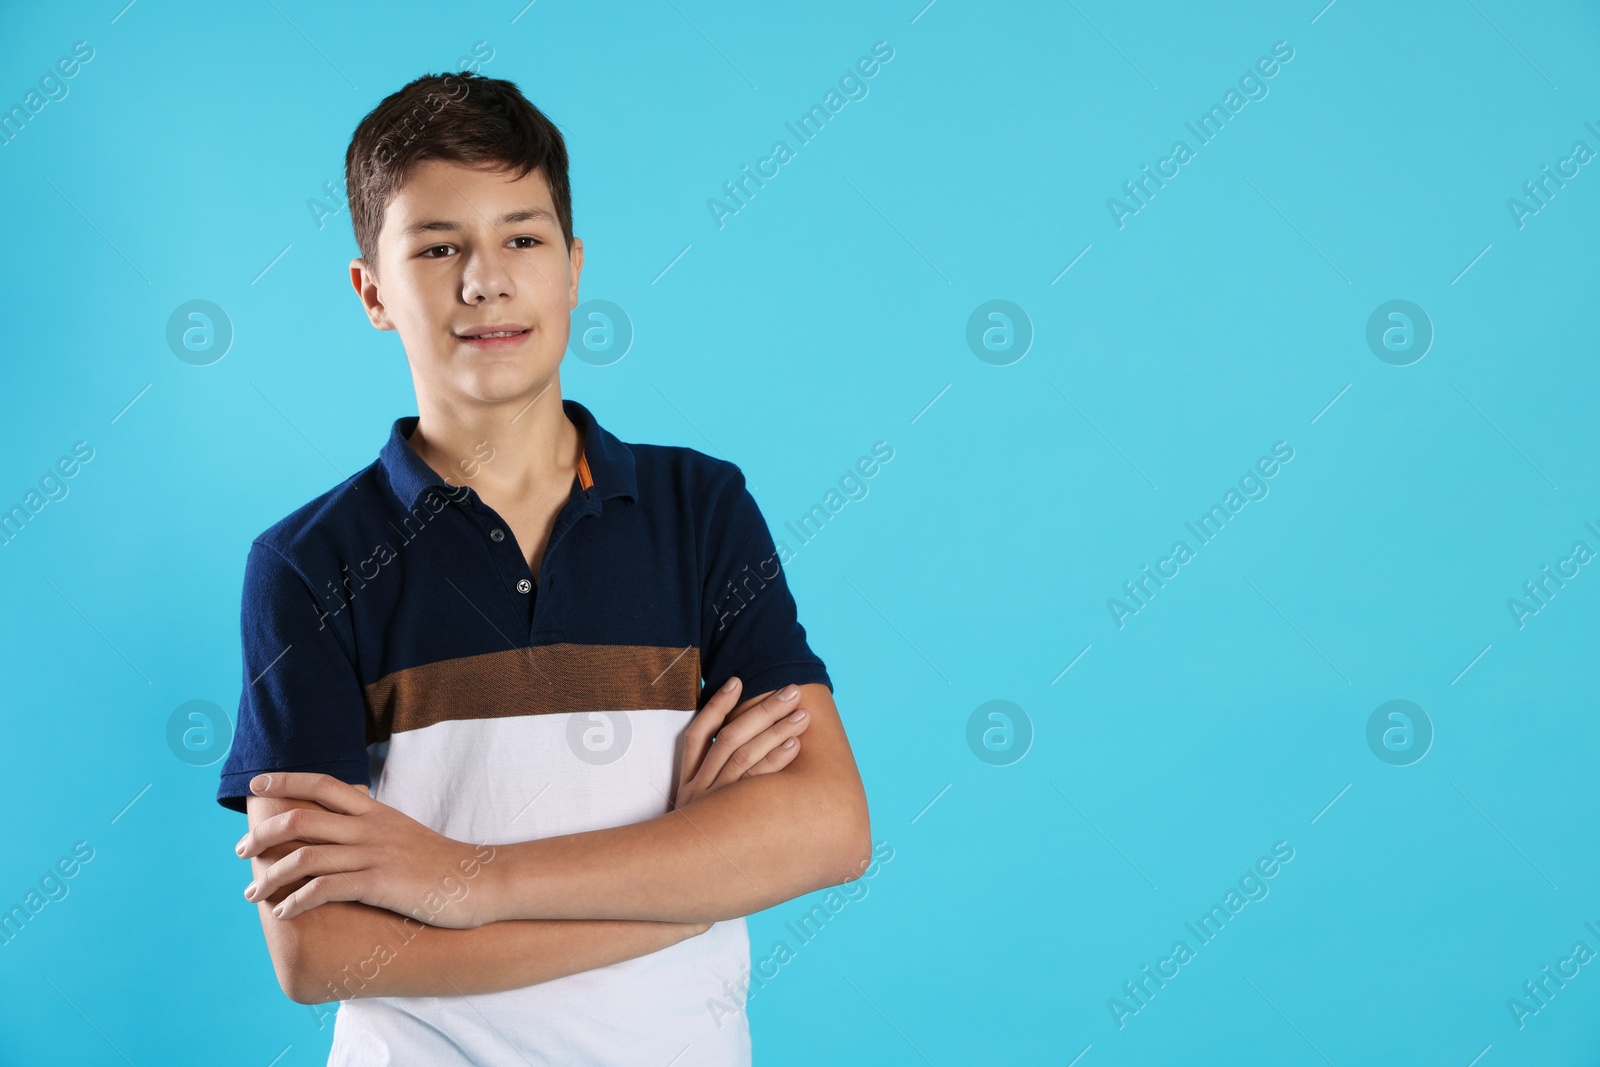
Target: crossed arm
537 910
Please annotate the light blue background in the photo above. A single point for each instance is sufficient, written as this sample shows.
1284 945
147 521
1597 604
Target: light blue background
830 313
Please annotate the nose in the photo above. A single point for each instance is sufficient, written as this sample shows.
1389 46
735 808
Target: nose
486 276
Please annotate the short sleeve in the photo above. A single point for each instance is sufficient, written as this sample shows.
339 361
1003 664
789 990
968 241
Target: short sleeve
750 625
302 707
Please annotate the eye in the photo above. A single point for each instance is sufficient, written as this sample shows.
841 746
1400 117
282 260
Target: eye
525 237
434 248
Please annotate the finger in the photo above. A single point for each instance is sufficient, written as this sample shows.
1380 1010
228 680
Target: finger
319 890
307 861
332 793
697 737
731 737
311 825
711 717
745 758
776 760
780 757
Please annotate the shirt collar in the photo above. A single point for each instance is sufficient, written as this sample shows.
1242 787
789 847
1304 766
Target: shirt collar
610 462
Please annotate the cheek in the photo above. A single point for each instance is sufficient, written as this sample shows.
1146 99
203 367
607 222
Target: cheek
557 331
552 305
428 318
412 305
549 278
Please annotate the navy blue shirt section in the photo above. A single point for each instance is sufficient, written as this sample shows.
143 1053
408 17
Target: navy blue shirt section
658 547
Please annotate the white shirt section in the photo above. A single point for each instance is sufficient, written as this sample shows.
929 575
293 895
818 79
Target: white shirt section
519 778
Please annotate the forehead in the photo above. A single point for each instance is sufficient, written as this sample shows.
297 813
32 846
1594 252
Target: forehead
470 197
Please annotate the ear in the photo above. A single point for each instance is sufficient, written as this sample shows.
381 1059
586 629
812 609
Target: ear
365 282
577 269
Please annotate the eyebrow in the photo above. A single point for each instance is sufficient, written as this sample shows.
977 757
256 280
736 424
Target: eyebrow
444 225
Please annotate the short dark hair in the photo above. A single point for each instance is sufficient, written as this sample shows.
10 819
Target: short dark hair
461 118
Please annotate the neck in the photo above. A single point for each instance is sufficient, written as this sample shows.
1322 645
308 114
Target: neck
516 450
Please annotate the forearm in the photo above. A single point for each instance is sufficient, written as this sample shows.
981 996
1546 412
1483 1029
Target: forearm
745 847
346 950
343 950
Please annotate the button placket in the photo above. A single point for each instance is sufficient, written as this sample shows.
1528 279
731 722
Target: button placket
505 556
579 504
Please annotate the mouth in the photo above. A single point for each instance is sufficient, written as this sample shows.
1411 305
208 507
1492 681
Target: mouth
496 337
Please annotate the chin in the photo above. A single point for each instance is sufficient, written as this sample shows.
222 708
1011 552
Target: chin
503 382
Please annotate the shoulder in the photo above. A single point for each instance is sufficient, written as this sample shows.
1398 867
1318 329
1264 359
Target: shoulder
684 474
327 524
703 499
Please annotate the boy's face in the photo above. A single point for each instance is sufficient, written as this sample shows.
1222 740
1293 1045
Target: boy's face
452 263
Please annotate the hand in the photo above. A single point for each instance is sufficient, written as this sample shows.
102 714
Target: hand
360 849
762 740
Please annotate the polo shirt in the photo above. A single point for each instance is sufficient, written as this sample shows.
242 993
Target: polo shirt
394 636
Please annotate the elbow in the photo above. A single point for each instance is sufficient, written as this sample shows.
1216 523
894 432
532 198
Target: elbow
312 997
301 992
319 958
300 972
296 977
304 986
291 977
852 843
309 985
313 978
861 848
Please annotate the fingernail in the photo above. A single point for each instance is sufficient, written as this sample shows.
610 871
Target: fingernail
250 892
260 783
239 848
789 692
798 715
787 744
278 911
727 687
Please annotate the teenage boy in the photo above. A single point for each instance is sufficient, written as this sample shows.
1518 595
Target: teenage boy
498 634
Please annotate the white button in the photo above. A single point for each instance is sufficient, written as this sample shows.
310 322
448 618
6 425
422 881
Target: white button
523 585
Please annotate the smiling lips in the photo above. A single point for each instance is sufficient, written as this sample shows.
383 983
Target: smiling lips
500 335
